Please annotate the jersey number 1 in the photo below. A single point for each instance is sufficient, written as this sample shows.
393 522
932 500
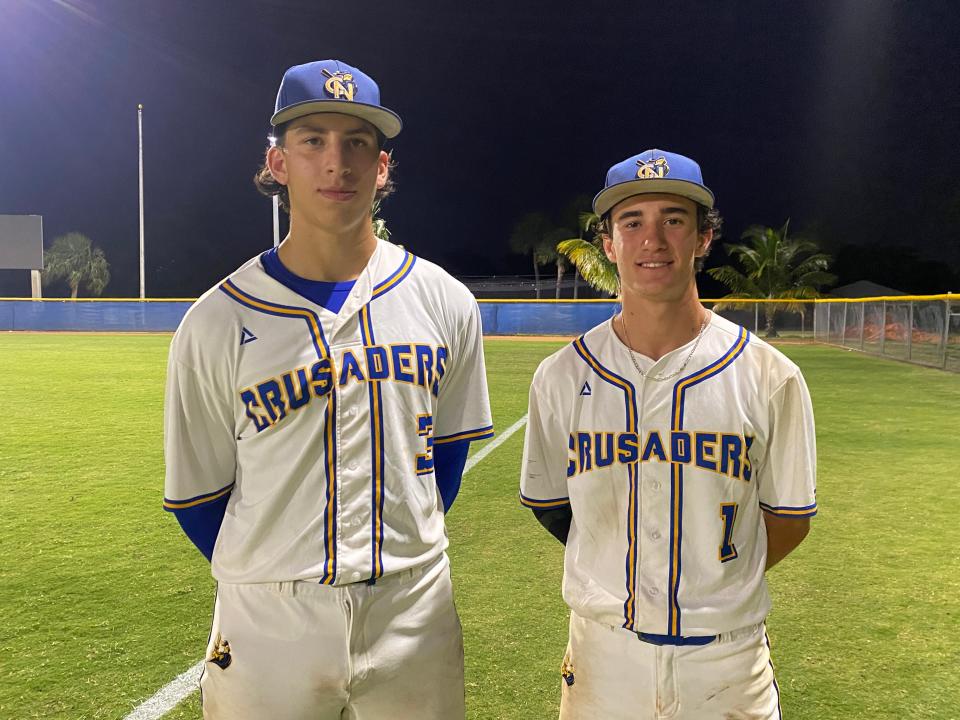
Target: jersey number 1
728 513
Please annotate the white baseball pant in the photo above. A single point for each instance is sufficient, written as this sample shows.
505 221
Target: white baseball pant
301 650
616 676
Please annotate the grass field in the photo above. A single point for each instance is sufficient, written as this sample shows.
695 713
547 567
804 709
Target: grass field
103 601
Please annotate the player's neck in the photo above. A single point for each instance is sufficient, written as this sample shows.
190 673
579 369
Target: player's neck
317 254
656 328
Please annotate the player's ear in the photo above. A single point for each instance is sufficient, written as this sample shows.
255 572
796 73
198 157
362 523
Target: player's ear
277 164
703 242
383 169
608 248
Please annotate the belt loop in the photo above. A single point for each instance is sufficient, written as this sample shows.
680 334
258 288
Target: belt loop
739 633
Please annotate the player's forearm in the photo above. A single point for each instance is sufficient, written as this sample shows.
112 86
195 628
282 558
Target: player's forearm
201 523
556 520
449 460
783 536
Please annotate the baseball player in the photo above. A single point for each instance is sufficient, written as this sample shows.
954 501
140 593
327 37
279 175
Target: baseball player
319 406
673 453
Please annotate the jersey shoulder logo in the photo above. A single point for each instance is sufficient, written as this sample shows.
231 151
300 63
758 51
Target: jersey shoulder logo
246 337
585 390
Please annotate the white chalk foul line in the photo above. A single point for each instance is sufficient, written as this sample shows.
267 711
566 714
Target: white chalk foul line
170 695
497 442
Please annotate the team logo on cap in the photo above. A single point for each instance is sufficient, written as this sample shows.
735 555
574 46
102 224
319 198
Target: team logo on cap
649 169
339 84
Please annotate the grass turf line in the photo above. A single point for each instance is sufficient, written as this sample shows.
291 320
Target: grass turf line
104 601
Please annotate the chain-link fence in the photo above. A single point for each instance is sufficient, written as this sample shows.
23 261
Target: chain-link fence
922 329
769 320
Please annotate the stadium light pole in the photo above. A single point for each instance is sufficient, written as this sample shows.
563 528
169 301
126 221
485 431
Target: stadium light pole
140 139
276 203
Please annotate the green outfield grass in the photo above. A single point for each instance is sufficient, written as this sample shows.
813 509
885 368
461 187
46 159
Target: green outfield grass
103 600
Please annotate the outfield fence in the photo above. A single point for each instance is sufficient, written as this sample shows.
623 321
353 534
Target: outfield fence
93 315
922 329
918 329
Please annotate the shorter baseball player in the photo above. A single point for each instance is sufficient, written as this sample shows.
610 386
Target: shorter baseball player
320 402
673 453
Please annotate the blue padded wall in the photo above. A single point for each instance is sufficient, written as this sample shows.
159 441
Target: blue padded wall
93 316
536 318
499 318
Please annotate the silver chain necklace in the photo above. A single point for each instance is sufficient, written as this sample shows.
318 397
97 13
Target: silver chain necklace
658 377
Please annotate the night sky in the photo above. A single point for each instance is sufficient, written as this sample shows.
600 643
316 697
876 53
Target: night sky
842 115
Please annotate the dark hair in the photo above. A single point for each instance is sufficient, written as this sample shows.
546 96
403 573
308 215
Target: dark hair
707 219
267 185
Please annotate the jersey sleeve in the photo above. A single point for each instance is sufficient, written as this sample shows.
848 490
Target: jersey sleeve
449 459
199 443
543 470
788 472
463 406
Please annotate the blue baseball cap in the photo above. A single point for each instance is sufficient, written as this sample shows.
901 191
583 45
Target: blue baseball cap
332 86
653 171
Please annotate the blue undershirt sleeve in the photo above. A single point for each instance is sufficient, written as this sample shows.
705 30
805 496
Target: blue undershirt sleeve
201 523
448 462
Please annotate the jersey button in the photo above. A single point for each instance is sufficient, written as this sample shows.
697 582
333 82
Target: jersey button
355 576
655 486
653 591
655 535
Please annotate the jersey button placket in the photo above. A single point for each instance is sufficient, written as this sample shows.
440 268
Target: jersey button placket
641 586
652 559
338 469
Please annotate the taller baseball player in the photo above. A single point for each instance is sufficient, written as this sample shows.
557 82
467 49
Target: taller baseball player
319 406
673 453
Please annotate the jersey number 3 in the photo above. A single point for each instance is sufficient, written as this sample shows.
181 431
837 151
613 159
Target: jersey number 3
425 429
728 513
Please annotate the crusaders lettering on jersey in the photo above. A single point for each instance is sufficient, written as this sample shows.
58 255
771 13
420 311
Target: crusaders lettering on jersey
270 401
723 453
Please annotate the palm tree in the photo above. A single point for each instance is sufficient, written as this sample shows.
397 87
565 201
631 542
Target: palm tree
73 258
549 251
589 258
775 266
570 218
528 239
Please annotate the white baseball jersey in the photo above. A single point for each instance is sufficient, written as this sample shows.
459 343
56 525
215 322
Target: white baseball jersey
667 480
321 425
